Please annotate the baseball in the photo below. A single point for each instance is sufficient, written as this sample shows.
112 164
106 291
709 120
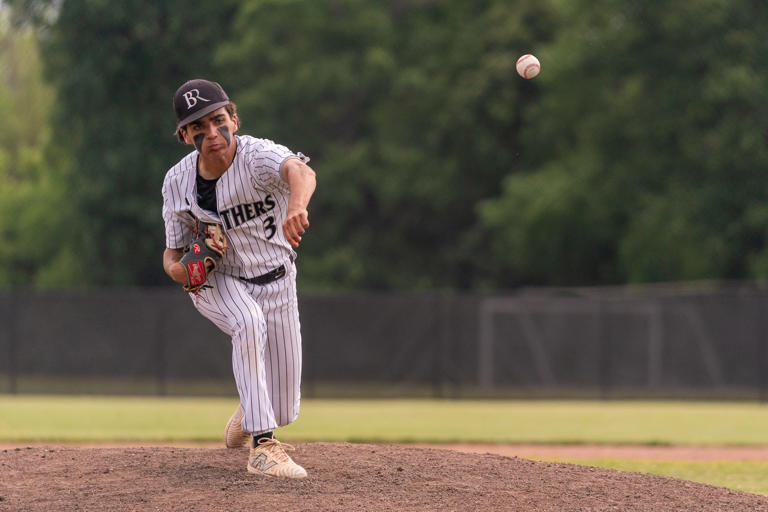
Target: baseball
528 66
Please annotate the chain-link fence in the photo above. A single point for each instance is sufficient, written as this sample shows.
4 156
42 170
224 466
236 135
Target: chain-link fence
607 342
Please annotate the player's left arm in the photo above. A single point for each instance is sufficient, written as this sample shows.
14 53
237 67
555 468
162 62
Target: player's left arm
173 266
301 181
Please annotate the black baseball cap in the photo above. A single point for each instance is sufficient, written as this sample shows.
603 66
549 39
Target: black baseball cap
197 98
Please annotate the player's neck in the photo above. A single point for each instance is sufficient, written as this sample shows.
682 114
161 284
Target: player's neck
211 167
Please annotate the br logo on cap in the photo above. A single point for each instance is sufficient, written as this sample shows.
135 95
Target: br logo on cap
192 96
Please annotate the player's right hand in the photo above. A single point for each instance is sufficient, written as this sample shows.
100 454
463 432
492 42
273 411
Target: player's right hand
296 223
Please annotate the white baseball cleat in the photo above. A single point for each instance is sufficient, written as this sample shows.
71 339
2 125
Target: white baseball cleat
234 435
269 458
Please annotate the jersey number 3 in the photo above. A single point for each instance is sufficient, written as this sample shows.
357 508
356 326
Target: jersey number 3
269 227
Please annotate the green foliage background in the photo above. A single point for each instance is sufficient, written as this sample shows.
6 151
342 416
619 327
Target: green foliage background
638 154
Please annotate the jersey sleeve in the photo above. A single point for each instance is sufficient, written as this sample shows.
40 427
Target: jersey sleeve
266 159
179 225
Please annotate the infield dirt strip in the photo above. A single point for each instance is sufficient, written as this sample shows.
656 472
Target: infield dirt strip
342 476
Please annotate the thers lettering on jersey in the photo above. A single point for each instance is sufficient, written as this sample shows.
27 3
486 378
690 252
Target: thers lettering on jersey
240 213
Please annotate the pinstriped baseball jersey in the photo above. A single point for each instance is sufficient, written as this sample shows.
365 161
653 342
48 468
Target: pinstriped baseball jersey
252 200
262 319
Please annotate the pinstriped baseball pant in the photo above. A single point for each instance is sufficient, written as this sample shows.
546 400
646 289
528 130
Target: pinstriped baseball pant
263 322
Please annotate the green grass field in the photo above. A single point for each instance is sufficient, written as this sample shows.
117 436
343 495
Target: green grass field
96 418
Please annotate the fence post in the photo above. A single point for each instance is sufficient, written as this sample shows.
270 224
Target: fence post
485 342
308 387
655 345
12 324
161 362
604 362
442 318
762 353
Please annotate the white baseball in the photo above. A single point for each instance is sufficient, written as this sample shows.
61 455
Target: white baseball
528 66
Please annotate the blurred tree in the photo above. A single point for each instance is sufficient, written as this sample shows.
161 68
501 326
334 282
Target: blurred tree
115 66
650 147
33 210
411 112
637 155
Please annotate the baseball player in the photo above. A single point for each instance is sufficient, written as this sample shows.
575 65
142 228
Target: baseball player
254 193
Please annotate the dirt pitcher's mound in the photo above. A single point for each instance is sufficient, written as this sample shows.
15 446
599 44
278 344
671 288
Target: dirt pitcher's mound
342 476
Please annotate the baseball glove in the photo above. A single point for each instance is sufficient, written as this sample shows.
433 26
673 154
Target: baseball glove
203 255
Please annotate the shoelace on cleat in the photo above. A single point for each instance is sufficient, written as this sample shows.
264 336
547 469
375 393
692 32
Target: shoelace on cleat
276 448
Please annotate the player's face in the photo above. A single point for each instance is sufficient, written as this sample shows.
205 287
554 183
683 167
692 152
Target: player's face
213 133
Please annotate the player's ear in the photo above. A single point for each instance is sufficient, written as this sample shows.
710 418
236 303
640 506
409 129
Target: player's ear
183 135
236 121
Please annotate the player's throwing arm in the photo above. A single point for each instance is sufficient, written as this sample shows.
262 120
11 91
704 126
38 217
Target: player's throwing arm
301 180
